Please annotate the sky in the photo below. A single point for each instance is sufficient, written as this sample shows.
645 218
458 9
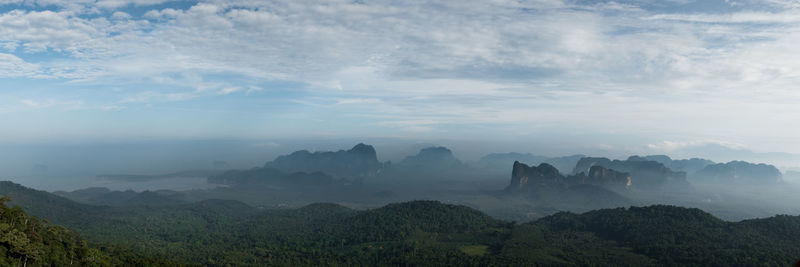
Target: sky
634 76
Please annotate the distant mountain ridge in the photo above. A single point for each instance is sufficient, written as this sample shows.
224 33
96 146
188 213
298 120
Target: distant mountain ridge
645 174
500 161
739 172
547 176
359 162
436 158
685 165
600 188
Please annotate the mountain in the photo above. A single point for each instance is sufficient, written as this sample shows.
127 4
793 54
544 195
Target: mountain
677 236
603 177
500 161
685 165
357 163
432 159
576 192
544 176
739 172
46 205
644 174
27 240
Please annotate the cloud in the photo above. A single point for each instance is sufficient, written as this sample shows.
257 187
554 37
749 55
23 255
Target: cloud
38 31
790 16
317 42
155 96
50 103
350 101
515 67
13 66
253 89
229 90
113 4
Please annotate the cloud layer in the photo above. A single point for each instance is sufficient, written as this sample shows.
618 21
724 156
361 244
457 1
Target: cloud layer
668 70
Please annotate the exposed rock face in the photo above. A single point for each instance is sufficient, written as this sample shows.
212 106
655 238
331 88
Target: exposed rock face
545 175
600 189
644 174
604 177
359 162
739 172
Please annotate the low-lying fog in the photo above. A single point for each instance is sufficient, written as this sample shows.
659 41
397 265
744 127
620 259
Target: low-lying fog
461 173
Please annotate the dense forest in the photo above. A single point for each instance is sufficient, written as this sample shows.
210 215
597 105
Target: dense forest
27 240
221 232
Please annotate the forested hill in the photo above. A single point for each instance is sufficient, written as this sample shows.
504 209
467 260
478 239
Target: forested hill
680 236
29 241
220 232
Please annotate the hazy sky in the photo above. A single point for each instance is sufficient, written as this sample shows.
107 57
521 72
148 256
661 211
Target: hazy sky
617 75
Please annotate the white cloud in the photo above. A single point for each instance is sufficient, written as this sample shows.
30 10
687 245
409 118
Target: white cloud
253 89
113 4
350 101
522 65
154 96
50 103
13 66
229 90
39 31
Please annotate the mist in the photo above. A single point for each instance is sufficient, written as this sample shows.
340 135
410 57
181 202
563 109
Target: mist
460 172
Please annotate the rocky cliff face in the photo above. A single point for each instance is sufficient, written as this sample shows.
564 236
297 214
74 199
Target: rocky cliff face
543 176
644 174
739 172
359 162
604 177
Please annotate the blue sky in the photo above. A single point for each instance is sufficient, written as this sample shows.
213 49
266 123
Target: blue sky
633 76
